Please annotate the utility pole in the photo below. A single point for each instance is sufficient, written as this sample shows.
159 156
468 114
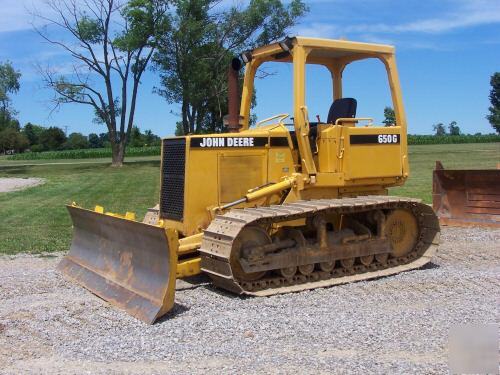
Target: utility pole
66 130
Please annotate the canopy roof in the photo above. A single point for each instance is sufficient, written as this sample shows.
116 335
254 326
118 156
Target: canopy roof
322 50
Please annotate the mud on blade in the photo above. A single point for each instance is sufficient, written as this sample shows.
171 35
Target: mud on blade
127 263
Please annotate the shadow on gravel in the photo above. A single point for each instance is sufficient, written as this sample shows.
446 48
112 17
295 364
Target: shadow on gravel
203 281
178 310
429 266
225 293
192 282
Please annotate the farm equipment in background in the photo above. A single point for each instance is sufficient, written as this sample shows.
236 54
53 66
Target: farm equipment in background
271 209
466 197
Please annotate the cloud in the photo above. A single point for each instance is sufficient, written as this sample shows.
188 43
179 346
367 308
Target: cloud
316 30
16 14
467 13
462 14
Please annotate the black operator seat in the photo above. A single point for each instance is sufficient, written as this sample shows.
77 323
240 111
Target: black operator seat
342 108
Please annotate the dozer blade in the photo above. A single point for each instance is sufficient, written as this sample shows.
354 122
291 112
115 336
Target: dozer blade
466 197
127 263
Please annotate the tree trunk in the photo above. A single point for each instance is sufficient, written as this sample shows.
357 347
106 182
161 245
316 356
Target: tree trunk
185 123
118 155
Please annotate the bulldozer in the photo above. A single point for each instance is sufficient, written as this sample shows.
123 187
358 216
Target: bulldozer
266 208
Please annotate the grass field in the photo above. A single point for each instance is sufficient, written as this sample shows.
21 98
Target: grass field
35 220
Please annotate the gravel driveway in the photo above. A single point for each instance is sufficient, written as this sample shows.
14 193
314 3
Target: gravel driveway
8 184
397 324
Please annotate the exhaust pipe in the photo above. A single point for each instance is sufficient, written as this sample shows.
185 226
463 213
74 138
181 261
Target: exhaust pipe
232 120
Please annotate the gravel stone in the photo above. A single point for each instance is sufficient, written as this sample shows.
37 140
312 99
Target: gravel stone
396 324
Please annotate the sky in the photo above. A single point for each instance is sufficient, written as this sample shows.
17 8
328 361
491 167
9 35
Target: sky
446 52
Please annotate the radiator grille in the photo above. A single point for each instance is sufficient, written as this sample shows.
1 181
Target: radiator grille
172 184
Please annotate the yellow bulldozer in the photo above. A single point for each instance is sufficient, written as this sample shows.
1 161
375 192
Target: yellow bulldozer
270 208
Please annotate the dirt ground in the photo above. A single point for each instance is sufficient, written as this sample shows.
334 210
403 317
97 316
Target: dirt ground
8 184
397 324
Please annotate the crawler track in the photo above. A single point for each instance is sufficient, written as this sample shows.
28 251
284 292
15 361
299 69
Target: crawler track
219 239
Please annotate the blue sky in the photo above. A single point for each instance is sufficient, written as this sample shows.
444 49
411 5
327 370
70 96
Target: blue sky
446 52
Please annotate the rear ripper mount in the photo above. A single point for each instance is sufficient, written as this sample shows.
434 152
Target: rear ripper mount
344 240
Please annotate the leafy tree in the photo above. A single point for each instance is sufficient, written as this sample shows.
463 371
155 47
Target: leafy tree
9 84
32 132
112 45
76 141
8 122
52 138
11 139
94 141
151 139
104 139
453 128
193 57
389 117
494 116
136 138
439 129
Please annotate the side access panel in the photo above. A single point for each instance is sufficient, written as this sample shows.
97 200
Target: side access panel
372 152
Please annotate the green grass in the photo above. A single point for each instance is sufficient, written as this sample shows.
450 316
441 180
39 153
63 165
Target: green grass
453 156
35 220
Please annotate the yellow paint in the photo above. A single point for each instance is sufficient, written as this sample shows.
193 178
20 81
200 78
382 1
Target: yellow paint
190 267
278 171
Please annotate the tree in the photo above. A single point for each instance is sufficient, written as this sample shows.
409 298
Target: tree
439 129
494 116
112 45
151 139
136 139
390 117
8 122
9 84
32 132
193 57
11 139
76 141
52 139
94 141
453 128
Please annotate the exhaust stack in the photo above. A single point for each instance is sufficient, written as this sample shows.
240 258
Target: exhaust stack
232 120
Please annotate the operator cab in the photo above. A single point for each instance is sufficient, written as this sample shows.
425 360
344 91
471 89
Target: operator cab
343 143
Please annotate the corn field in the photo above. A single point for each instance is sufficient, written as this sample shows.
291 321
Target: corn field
95 153
90 153
451 139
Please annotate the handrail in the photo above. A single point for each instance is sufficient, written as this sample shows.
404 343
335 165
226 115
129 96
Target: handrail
281 116
305 113
354 119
